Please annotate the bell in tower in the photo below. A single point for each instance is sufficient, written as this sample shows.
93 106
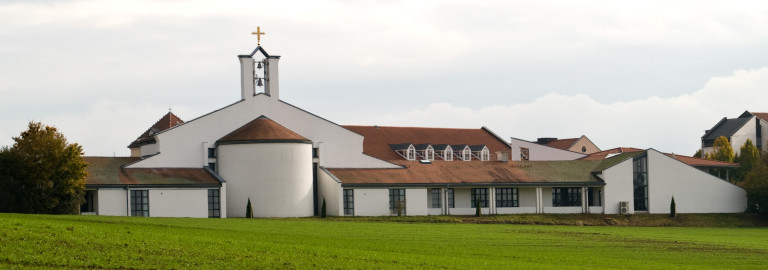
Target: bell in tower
257 74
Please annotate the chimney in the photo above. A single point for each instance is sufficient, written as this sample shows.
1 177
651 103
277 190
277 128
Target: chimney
272 82
247 84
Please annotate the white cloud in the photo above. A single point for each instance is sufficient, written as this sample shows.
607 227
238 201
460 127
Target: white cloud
667 124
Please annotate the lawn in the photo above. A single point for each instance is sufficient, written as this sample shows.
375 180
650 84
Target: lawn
44 242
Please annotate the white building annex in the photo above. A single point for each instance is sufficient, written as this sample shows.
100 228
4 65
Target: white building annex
287 162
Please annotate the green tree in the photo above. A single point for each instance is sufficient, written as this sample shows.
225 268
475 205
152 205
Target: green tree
722 150
749 156
47 175
756 185
698 154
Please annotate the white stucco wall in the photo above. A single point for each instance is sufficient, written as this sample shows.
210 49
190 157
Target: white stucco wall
331 190
541 152
178 203
415 201
748 131
182 146
618 187
149 149
373 201
112 202
277 177
694 191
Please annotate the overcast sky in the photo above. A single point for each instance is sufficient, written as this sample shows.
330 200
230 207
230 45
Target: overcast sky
646 74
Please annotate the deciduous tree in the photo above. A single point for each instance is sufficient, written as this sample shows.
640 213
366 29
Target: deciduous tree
722 150
46 175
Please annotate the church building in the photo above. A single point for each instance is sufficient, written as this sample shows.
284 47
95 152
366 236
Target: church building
287 162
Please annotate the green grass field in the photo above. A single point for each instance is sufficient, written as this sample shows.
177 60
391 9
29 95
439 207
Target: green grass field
45 242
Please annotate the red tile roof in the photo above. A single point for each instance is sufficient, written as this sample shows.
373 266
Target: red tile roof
690 161
761 115
108 171
378 138
462 172
262 129
168 120
564 144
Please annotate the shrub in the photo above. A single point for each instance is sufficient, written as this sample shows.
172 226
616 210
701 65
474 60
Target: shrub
672 208
323 210
249 209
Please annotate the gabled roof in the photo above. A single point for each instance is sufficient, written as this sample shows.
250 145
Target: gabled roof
690 161
109 171
761 115
378 138
168 120
726 127
458 173
262 130
564 144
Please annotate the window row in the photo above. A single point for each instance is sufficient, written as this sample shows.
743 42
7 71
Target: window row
442 151
139 200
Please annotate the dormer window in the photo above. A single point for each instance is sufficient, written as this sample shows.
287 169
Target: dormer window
463 152
481 152
411 153
466 154
448 153
485 155
429 154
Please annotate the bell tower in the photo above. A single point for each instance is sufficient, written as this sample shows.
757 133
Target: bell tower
258 72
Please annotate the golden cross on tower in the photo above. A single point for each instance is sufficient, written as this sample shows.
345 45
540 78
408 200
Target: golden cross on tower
258 34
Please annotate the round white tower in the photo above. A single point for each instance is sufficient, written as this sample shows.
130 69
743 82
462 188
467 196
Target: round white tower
269 164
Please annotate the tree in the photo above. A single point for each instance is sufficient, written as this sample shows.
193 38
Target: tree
756 185
672 208
748 158
722 150
47 174
698 154
323 210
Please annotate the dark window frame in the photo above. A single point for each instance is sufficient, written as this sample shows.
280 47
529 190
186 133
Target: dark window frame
566 196
437 198
449 198
349 202
640 182
479 194
214 203
507 197
397 202
212 152
139 203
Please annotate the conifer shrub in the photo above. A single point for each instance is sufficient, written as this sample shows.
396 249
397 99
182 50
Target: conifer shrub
323 210
477 208
249 209
672 208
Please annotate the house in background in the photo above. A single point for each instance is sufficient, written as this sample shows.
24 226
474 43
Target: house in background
523 150
579 145
748 125
287 162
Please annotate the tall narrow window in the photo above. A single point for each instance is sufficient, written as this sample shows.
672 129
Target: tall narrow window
211 152
480 195
437 201
429 153
640 183
506 197
594 196
411 153
212 166
349 202
448 153
89 205
397 201
449 197
214 207
139 203
466 154
485 155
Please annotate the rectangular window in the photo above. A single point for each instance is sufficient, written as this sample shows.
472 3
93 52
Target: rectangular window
349 202
139 203
481 195
315 152
594 196
449 197
640 183
212 166
437 200
214 207
566 196
211 152
525 154
397 201
506 197
88 206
